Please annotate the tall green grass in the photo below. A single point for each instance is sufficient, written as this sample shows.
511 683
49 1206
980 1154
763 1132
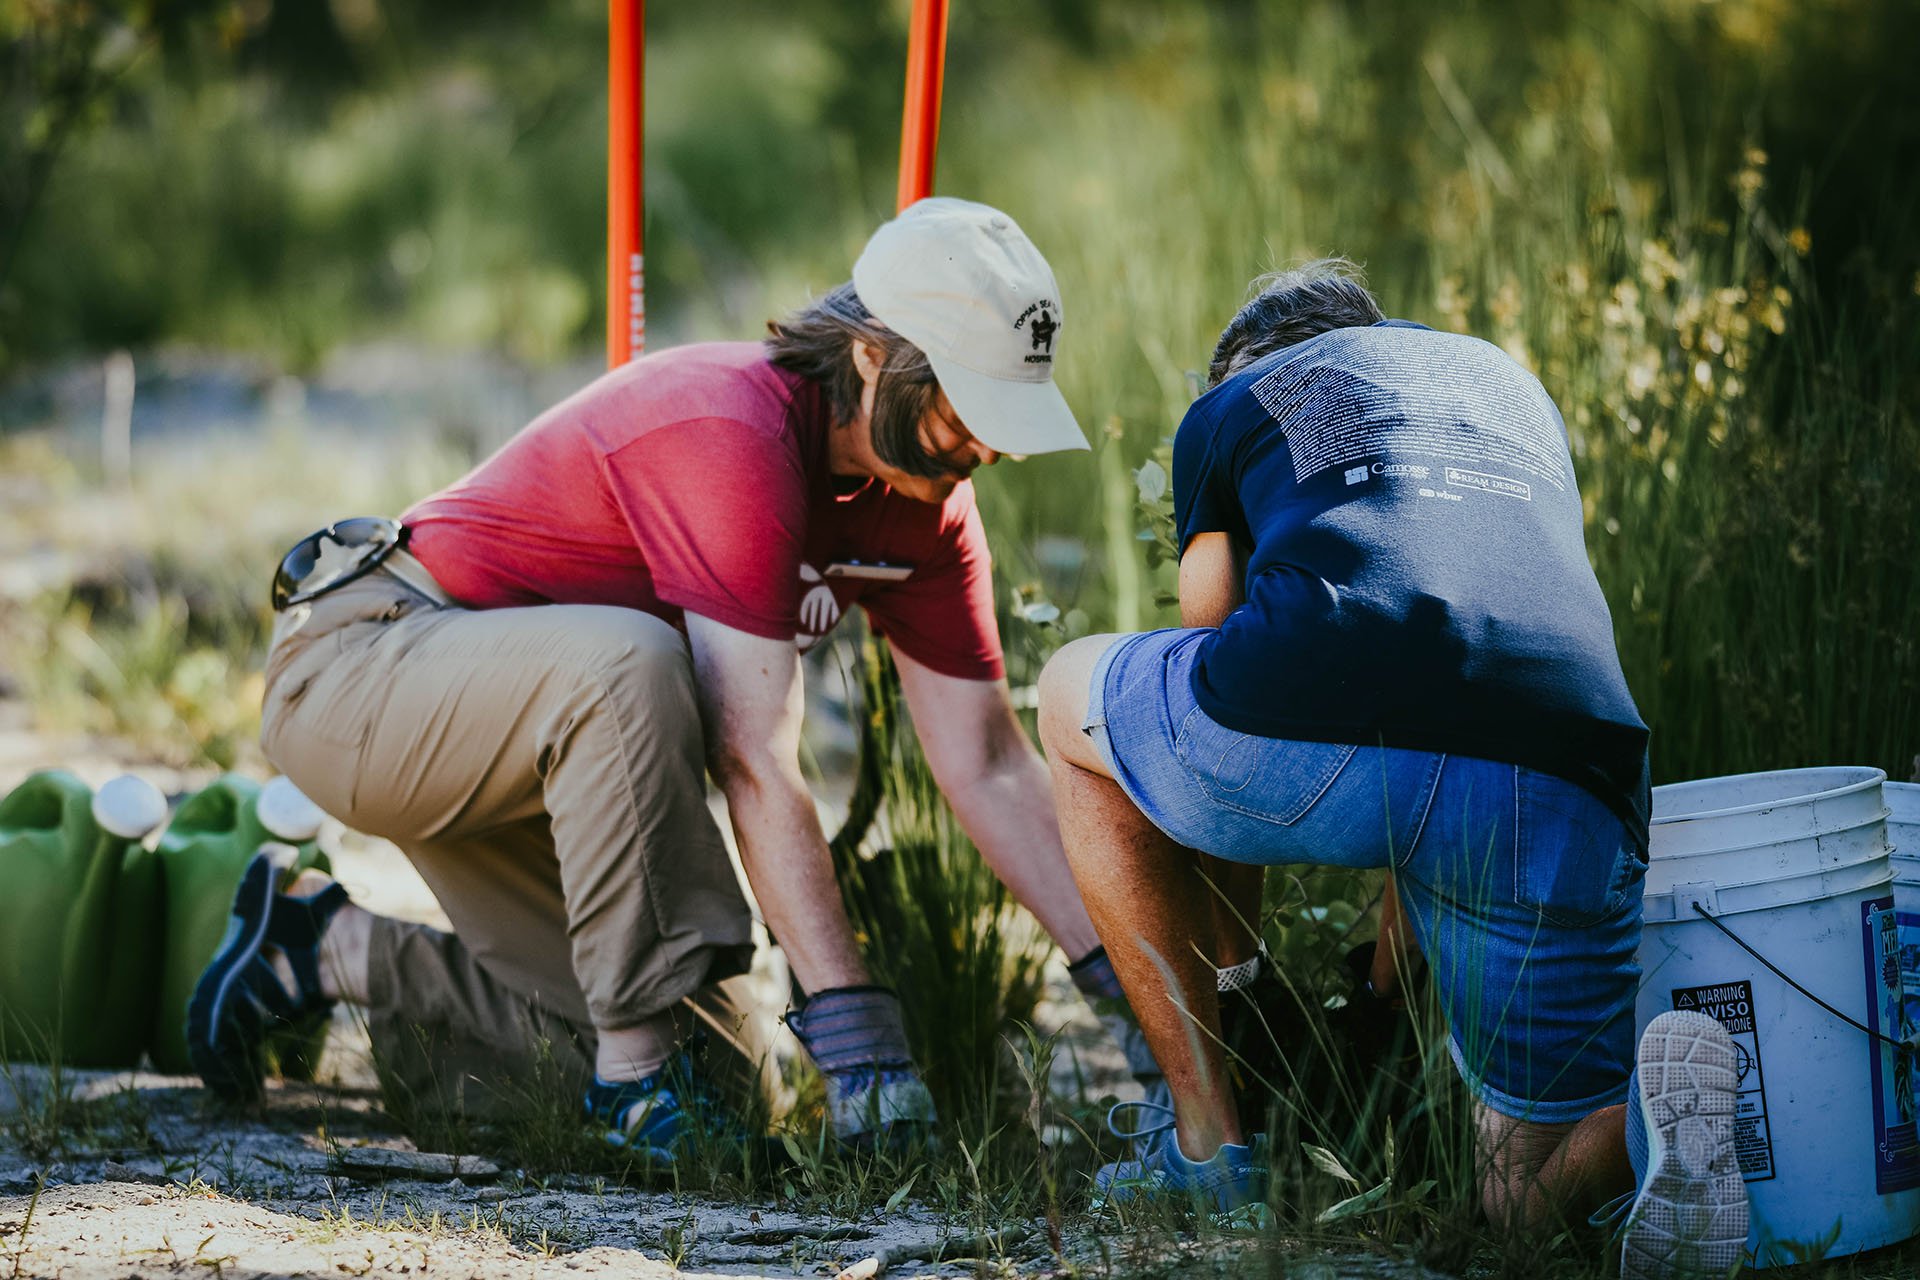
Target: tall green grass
933 920
1583 183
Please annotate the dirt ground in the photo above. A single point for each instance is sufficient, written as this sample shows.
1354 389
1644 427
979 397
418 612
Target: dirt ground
269 1195
142 1175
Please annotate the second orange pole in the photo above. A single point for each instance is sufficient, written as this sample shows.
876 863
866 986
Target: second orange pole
920 120
626 191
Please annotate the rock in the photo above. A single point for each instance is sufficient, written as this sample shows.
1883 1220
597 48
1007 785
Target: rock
375 1163
785 1235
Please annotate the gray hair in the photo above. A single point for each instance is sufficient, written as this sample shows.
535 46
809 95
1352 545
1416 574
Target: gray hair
817 342
1292 306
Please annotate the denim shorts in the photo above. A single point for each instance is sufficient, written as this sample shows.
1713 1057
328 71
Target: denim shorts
1523 888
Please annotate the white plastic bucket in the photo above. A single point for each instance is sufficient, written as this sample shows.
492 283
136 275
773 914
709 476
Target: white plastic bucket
1795 863
1903 833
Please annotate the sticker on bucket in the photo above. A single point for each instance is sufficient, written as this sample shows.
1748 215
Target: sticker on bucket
1896 1135
1908 933
1731 1004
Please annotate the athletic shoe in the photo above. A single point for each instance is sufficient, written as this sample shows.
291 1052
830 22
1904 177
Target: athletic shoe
1690 1216
240 999
1144 1142
1233 1178
886 1108
660 1117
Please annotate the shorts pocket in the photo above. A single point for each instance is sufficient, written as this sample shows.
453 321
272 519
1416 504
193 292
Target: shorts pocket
1573 862
1276 780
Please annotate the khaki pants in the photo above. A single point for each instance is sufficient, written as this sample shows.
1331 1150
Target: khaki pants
544 770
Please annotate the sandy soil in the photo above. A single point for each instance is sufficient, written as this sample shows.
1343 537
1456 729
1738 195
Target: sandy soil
206 1192
136 1174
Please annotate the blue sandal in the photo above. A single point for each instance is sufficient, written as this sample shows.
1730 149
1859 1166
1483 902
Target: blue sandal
240 999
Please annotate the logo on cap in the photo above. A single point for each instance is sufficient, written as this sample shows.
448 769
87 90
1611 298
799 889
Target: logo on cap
1042 330
1043 327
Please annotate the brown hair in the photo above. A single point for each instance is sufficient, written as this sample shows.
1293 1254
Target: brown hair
1292 306
817 342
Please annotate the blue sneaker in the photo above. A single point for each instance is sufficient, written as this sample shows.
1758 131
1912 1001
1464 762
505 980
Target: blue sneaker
240 999
645 1117
1690 1216
1145 1141
659 1117
1233 1178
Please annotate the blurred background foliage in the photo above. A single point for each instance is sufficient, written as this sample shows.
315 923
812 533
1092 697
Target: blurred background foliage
1695 219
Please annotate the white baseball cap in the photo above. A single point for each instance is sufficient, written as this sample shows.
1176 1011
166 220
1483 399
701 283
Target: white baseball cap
963 283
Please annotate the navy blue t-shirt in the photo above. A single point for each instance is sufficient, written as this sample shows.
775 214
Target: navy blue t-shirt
1418 574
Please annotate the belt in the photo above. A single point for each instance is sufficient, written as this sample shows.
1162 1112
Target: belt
404 565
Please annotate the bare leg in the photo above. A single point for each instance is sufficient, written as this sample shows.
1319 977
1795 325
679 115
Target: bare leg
1237 903
1531 1172
1149 904
1397 952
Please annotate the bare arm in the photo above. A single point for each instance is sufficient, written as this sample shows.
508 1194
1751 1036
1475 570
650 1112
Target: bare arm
1001 792
1212 571
750 705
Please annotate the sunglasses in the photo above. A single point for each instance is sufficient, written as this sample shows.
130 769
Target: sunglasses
334 556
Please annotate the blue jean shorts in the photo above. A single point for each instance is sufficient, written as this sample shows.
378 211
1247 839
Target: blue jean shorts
1523 888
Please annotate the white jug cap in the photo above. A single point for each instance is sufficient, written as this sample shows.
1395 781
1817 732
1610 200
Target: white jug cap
129 807
284 810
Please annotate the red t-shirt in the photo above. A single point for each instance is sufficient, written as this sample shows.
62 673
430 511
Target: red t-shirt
696 481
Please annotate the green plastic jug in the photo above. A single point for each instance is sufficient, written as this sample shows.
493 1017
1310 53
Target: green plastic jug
79 920
212 837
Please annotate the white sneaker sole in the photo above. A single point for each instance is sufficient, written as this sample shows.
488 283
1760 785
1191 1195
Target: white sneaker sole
1691 1216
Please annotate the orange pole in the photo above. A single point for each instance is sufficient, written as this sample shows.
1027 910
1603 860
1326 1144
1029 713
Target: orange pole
920 121
626 201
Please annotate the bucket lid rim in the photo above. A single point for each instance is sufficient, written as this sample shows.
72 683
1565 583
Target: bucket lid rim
1865 884
1656 855
1870 777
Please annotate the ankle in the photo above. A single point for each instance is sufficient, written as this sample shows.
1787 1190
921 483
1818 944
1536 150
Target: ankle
628 1054
345 950
307 883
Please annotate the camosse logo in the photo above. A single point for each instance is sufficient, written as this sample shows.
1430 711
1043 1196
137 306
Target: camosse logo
1041 331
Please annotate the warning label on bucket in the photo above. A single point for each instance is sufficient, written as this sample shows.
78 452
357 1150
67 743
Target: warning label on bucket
1896 1129
1731 1004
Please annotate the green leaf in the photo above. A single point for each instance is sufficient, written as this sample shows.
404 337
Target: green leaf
1353 1206
899 1196
1327 1162
1151 480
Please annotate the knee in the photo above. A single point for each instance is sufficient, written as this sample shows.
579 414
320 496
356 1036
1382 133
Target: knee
1511 1157
1063 691
633 670
648 661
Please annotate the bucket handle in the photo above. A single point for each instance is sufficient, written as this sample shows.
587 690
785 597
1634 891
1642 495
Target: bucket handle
1862 1027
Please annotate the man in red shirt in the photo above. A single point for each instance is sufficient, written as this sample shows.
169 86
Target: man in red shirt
525 687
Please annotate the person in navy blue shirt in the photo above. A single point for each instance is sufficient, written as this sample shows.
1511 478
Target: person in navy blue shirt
1394 654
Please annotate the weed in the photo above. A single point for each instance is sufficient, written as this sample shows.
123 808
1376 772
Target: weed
17 1254
934 922
679 1238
